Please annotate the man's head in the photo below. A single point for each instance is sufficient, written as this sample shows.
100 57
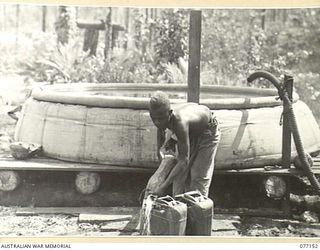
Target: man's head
160 109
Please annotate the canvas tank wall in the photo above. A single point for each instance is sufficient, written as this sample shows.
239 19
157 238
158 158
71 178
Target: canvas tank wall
122 136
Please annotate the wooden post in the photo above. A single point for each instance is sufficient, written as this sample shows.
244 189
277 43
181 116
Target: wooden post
194 56
286 131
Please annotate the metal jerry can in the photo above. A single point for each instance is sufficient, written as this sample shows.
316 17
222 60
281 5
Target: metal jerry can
200 213
168 217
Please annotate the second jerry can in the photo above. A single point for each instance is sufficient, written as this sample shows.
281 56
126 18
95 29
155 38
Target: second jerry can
168 217
200 213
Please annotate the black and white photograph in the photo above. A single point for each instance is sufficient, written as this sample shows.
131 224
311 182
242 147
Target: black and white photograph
151 121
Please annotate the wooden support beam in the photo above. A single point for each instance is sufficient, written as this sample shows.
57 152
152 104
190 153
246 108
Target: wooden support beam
100 25
286 130
46 164
76 211
194 56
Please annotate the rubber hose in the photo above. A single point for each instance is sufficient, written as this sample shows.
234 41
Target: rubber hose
293 125
298 143
266 75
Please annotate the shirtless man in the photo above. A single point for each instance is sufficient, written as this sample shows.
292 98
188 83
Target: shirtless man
197 135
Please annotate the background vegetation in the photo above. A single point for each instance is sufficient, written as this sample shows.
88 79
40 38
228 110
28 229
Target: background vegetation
45 44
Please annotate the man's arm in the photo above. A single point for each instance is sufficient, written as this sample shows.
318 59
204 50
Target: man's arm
182 132
160 141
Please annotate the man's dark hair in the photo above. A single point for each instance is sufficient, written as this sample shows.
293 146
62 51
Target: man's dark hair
159 100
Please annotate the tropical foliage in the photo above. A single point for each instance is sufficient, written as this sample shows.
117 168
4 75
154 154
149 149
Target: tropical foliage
235 42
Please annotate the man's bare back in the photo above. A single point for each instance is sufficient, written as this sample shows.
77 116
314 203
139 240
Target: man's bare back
193 115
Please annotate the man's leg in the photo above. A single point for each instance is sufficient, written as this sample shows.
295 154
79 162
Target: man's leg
179 183
202 168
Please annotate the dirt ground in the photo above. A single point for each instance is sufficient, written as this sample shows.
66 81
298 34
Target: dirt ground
69 225
223 226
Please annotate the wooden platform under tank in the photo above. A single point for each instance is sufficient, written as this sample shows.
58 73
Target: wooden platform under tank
48 164
48 182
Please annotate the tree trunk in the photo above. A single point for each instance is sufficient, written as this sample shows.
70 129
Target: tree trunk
285 16
108 35
91 37
65 26
263 19
127 26
3 18
151 30
44 18
17 22
274 15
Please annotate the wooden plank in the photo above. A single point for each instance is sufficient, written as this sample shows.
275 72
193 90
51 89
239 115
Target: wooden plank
99 218
262 171
31 211
57 165
98 25
48 164
267 171
132 225
231 233
223 225
299 223
230 217
119 226
251 212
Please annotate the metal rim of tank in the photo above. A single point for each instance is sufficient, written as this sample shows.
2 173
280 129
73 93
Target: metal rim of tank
79 93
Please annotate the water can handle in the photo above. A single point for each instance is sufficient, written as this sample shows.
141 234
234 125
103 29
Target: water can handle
167 200
193 196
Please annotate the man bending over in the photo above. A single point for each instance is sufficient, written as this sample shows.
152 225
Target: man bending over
196 133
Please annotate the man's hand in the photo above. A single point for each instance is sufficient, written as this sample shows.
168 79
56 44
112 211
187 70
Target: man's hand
160 190
160 155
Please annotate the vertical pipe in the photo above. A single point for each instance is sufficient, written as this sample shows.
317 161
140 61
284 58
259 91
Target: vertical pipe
194 56
286 130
